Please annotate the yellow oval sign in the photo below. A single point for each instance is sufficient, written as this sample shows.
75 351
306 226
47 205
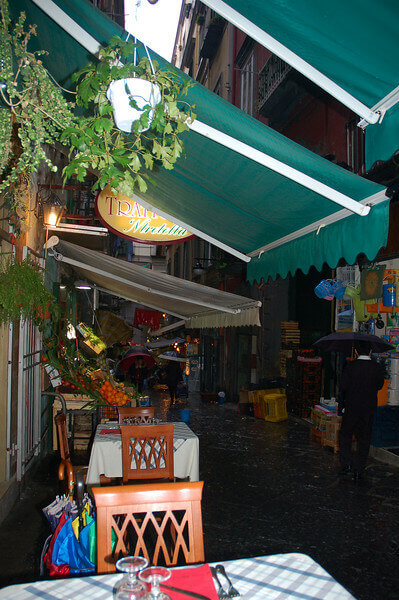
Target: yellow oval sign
129 219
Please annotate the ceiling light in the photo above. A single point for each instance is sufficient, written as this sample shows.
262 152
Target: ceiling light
82 285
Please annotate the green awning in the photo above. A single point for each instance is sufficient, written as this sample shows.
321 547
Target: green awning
345 238
250 199
350 49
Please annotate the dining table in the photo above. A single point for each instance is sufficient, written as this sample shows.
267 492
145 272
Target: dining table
106 452
292 576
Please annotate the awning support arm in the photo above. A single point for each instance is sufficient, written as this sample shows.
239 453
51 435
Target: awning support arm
69 25
279 167
382 106
316 226
256 33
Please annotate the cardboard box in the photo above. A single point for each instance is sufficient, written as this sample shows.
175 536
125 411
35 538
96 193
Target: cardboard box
244 397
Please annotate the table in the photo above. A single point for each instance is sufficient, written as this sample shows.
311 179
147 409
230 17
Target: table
275 577
106 454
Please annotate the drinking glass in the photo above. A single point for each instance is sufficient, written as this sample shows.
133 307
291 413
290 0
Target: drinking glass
154 576
130 588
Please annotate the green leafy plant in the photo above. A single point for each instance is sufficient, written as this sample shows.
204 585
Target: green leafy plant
34 110
73 368
123 160
23 294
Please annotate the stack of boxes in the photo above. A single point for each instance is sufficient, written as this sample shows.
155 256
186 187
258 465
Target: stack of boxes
393 386
303 382
326 423
290 339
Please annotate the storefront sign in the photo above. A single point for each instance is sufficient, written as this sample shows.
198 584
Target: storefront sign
127 218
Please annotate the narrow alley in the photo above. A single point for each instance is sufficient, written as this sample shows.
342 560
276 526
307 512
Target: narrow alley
268 489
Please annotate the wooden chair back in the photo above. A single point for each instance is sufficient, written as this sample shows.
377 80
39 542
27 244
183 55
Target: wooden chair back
147 452
60 421
138 414
162 522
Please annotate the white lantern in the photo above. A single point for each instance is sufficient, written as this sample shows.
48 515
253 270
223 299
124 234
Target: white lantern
143 92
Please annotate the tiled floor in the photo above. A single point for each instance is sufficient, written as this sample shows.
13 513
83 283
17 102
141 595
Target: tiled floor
268 489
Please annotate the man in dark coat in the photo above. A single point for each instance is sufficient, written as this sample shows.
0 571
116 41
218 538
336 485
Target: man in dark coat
173 376
361 380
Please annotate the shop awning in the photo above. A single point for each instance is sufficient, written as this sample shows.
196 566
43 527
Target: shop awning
198 305
242 186
349 49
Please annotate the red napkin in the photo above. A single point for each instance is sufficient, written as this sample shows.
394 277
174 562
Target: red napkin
194 579
108 431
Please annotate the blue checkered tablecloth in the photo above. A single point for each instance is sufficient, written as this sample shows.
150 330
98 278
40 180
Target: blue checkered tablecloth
275 577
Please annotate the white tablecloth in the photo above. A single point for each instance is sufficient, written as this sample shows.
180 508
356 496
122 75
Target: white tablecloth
106 453
276 577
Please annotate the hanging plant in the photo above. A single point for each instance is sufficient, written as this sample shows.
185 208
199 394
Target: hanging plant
23 294
34 110
123 158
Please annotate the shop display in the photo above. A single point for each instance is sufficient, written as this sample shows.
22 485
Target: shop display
79 359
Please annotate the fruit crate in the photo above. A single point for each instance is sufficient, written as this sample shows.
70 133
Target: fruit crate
108 413
331 437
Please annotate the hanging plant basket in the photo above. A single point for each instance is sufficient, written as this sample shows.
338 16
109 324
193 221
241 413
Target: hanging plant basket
134 117
23 294
129 98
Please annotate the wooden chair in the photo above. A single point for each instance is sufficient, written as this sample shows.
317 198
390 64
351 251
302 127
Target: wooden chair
162 522
63 445
66 471
138 414
147 452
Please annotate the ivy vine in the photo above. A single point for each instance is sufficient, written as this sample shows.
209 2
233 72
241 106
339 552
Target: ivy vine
32 101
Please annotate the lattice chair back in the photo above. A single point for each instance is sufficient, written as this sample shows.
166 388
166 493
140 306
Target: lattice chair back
136 415
147 452
162 522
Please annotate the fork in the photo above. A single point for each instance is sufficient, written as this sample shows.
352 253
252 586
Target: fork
220 591
231 592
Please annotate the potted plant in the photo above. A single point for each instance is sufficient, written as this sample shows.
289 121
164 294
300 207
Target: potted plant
122 156
23 294
33 111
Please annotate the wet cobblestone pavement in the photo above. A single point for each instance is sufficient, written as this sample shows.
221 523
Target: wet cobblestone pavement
268 489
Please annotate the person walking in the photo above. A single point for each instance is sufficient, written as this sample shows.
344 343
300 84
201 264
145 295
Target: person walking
173 377
138 374
360 382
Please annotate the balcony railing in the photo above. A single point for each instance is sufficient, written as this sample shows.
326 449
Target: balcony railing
272 74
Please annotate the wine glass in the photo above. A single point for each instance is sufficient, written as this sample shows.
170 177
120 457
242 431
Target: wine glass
154 576
130 588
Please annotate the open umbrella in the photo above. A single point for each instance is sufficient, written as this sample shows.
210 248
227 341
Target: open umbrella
134 354
164 342
346 341
172 355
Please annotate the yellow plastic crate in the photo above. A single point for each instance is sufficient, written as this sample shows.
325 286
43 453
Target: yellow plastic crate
274 407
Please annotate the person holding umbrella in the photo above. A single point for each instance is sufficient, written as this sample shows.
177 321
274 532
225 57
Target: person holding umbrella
360 382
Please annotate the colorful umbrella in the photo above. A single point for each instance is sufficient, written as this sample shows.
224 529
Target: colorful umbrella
132 355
